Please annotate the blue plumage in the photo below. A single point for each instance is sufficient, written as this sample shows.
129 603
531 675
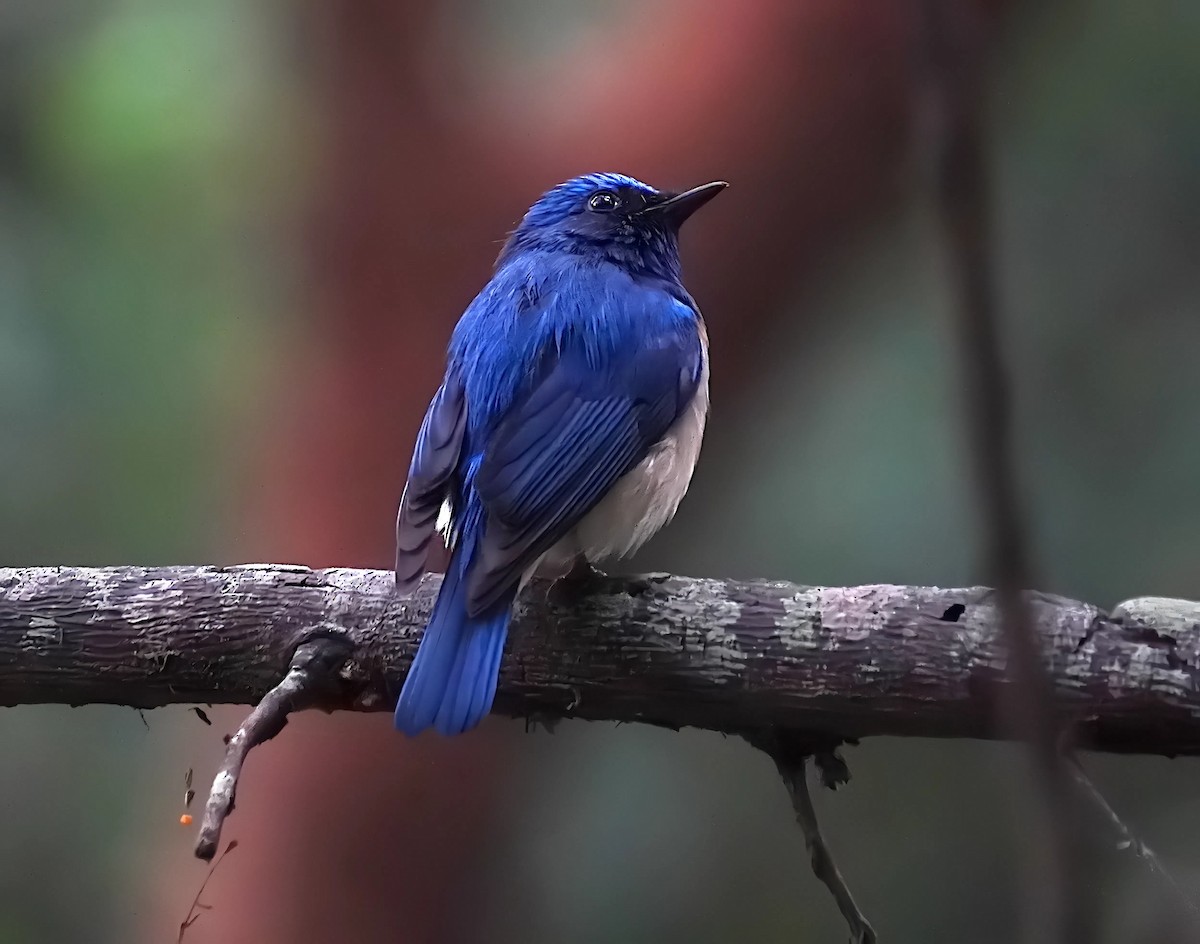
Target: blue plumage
567 425
453 679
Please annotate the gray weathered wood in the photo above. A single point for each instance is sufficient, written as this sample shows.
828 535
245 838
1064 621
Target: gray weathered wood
722 654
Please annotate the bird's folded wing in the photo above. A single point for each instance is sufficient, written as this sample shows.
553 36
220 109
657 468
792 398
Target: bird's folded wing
439 444
566 442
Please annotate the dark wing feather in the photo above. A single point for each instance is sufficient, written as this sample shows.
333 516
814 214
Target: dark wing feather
435 457
562 446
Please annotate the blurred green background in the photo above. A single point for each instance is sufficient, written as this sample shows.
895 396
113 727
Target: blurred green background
156 163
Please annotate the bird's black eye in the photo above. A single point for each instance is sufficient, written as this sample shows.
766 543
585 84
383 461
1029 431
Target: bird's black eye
603 201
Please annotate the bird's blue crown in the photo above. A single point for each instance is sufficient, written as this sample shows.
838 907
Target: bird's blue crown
570 197
612 217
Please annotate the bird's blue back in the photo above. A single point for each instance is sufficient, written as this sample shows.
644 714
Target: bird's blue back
566 369
543 301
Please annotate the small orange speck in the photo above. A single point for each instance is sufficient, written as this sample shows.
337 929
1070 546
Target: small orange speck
185 819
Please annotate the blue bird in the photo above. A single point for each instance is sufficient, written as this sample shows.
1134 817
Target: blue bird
565 431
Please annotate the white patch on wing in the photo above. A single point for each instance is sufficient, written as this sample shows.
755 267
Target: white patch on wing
443 521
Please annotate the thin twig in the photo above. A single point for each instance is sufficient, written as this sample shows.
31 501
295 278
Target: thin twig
194 911
791 753
1128 840
953 102
823 865
313 667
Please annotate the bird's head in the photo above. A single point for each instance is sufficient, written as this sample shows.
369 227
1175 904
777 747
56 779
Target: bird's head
611 216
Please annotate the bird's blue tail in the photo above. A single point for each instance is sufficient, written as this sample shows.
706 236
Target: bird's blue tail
452 682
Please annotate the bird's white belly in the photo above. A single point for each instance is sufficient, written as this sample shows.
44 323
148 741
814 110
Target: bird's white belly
644 499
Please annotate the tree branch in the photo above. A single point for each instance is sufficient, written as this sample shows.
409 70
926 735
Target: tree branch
734 656
791 754
1188 917
313 668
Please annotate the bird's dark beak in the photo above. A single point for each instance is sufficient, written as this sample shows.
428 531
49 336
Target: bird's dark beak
678 208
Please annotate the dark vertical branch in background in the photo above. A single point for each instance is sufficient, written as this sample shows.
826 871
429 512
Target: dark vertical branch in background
951 103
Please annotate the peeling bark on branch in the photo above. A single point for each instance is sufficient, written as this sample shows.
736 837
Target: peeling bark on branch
721 654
